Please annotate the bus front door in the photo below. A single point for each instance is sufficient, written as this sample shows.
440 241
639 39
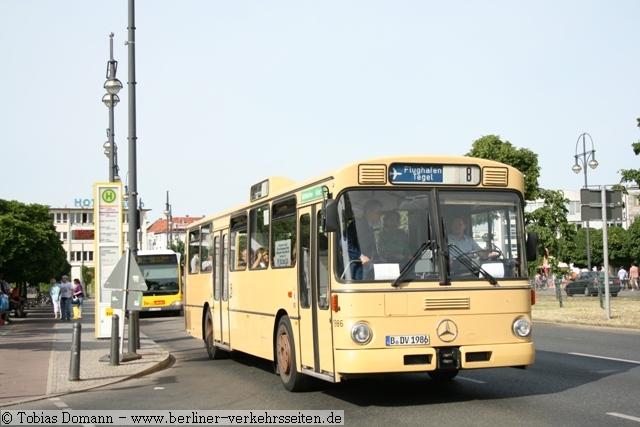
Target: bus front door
221 290
315 337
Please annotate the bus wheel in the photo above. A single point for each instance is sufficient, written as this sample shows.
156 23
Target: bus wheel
292 380
443 375
213 351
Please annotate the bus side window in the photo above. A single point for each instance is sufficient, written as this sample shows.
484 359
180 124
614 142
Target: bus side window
259 232
205 249
239 253
283 230
193 265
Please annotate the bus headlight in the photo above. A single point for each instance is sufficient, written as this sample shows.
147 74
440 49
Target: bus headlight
361 333
522 327
176 304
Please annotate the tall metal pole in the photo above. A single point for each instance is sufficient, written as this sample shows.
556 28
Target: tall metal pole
133 173
111 125
111 75
133 184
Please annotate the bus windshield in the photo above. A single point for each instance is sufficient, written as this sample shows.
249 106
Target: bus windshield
469 235
160 279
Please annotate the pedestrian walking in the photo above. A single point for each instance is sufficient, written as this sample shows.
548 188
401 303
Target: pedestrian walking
633 276
622 275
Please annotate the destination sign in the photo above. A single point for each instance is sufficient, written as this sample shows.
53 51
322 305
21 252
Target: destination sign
412 173
157 259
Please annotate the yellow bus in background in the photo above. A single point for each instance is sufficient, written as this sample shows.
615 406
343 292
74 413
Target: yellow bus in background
354 272
161 271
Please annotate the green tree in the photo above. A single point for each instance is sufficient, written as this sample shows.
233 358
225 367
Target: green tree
555 233
632 175
178 246
617 244
30 249
633 241
88 279
526 161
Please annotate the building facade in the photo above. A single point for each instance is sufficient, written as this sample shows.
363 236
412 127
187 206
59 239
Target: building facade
631 209
76 229
164 232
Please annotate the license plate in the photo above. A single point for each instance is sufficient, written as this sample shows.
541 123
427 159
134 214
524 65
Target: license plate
154 309
417 339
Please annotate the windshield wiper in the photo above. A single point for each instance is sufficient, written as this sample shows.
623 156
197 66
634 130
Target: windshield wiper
471 265
414 259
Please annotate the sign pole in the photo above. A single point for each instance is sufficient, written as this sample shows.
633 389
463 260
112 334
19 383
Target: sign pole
124 297
605 246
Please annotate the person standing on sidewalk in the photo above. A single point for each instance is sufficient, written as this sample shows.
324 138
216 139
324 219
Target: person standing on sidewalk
55 298
66 291
78 292
5 289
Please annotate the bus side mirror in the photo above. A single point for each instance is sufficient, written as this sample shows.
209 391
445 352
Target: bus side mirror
532 246
330 215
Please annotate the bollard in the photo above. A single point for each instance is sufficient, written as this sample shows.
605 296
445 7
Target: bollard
131 339
559 292
136 329
114 356
74 366
600 295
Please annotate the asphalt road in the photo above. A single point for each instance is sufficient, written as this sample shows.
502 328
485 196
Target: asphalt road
583 376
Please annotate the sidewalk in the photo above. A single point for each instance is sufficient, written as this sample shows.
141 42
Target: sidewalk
36 354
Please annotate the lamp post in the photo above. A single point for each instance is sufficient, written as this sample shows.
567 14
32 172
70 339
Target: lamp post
111 99
168 214
588 159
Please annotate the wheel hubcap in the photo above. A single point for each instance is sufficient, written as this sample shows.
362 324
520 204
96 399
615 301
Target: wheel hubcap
284 354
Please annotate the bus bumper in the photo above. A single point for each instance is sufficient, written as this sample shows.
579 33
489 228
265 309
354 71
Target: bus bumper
416 359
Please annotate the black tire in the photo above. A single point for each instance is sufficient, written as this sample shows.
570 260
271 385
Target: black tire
614 295
214 352
443 375
285 352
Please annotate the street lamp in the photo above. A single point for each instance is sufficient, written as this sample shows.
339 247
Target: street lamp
167 213
588 158
110 100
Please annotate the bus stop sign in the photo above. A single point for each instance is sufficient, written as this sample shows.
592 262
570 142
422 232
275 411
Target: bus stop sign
136 279
591 205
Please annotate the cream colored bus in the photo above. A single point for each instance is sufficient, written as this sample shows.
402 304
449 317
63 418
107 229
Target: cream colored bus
397 264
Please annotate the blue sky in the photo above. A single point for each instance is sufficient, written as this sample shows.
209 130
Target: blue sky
229 93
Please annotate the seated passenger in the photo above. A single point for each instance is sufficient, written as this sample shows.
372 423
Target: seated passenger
262 258
208 263
16 303
392 242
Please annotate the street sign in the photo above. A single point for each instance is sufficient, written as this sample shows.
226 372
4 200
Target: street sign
589 196
117 299
134 301
591 205
136 279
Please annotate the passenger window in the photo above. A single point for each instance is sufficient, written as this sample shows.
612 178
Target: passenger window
259 232
239 252
283 244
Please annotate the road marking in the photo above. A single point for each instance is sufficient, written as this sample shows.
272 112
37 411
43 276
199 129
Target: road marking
607 358
472 380
626 417
59 403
